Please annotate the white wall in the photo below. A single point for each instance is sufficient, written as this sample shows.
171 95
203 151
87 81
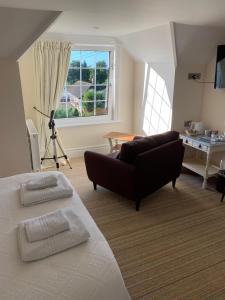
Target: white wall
18 29
14 152
198 101
195 45
26 69
166 71
187 102
139 95
78 138
213 106
155 47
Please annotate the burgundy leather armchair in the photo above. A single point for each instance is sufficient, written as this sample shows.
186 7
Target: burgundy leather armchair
142 166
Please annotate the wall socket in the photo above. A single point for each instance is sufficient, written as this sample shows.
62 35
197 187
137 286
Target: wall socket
194 76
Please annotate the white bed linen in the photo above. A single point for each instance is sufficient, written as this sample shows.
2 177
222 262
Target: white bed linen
86 272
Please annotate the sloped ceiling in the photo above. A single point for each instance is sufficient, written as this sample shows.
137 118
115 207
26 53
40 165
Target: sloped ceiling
19 28
119 17
193 44
152 45
197 44
200 25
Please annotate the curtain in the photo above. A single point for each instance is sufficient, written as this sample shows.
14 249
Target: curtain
51 62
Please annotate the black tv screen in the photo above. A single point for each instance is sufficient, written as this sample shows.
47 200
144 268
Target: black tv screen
220 68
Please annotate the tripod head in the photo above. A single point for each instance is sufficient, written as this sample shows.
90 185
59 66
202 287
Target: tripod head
51 123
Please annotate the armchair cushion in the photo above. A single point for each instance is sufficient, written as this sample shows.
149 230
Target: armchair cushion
130 150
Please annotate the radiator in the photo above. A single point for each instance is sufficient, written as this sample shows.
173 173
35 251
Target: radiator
34 145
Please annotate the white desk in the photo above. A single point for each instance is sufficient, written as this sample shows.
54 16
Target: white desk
195 163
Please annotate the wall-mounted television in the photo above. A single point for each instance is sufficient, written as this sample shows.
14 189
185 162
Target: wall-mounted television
220 68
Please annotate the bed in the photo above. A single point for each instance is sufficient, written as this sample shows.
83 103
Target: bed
86 272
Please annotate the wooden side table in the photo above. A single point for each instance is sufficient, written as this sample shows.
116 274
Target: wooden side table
113 138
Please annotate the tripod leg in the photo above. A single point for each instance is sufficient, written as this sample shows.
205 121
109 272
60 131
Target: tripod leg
63 152
46 151
55 156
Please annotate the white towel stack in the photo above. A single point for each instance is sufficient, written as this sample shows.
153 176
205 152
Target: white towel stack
42 181
74 235
45 226
30 196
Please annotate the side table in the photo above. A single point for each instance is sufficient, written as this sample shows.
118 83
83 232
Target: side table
113 138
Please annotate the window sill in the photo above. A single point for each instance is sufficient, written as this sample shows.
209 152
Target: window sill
65 123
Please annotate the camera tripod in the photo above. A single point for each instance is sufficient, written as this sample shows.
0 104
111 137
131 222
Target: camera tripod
55 142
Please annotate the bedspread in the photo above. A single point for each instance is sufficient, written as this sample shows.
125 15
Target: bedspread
86 272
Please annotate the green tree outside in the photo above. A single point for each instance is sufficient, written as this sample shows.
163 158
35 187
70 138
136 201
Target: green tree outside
101 74
73 74
73 112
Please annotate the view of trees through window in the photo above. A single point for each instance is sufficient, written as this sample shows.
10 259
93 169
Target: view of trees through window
87 86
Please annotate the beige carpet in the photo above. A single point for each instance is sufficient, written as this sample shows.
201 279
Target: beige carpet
173 248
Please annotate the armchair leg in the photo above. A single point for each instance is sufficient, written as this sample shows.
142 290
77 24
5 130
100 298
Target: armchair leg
95 186
174 183
138 202
222 197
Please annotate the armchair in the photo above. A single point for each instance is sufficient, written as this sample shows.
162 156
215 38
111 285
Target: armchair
143 166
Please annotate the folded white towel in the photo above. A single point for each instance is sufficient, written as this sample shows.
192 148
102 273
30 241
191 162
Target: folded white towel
45 226
76 235
42 181
62 190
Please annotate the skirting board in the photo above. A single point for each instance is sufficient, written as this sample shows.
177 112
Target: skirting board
79 151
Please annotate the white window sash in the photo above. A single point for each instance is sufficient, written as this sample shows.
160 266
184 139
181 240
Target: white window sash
112 104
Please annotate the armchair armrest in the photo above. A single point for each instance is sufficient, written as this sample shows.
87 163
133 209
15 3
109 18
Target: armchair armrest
110 173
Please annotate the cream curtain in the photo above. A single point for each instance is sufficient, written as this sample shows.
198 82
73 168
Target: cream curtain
51 62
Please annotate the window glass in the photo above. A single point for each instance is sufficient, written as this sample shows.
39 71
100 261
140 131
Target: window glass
86 92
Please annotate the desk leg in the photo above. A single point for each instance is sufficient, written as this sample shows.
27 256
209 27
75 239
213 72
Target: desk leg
205 177
110 145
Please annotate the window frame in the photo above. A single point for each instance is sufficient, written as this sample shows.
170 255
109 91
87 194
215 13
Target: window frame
112 115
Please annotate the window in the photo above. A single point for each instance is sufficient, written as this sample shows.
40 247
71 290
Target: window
88 93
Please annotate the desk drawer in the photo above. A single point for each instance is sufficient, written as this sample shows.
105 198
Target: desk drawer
199 146
187 141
